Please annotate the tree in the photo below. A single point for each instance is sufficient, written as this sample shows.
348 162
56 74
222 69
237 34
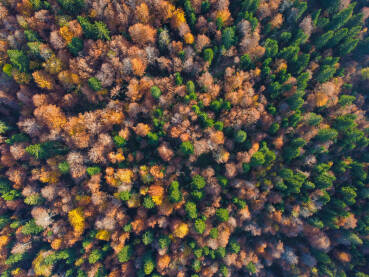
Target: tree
19 59
348 46
228 37
222 214
102 31
31 228
200 226
257 159
75 46
191 210
93 170
208 55
240 136
326 134
148 237
149 265
89 29
155 92
94 84
63 167
341 18
271 48
246 62
322 40
198 182
72 7
175 194
95 256
325 73
125 254
186 148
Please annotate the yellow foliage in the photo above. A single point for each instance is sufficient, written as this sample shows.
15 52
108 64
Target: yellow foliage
189 39
66 33
79 262
157 193
138 67
3 240
51 177
134 201
56 243
68 78
223 15
103 235
178 18
157 172
124 175
77 220
144 190
21 77
142 13
53 65
181 230
43 80
320 99
39 267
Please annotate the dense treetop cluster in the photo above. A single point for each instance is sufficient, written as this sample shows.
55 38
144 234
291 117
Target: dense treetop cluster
184 138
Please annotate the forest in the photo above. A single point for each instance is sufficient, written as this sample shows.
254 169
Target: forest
184 138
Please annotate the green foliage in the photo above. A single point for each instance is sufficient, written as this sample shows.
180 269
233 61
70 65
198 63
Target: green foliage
257 159
95 256
190 87
200 226
271 48
224 270
175 194
208 55
322 40
155 92
14 258
191 210
234 246
149 265
148 203
222 214
164 242
214 233
240 136
31 228
251 268
75 46
63 167
93 170
314 119
339 19
31 35
198 182
72 7
6 191
186 148
178 78
19 60
34 199
119 141
148 237
246 62
229 37
326 134
94 84
125 254
45 150
102 30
